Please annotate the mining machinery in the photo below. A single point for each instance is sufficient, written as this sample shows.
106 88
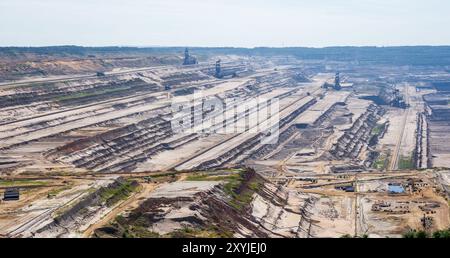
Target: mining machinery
398 100
337 82
188 59
218 73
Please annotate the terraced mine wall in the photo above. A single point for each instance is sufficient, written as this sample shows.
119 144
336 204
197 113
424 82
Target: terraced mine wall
373 155
438 127
286 135
326 114
76 94
17 62
249 144
134 136
122 148
83 211
246 207
268 148
56 62
357 137
69 123
177 79
32 131
228 70
429 155
420 154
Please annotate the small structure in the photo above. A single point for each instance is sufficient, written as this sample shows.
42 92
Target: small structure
346 188
301 78
306 152
391 96
11 194
398 100
338 169
221 73
327 85
394 188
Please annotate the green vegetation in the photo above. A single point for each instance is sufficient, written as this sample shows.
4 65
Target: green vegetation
140 228
230 174
378 129
58 190
423 234
381 162
113 195
232 183
442 234
22 182
139 232
350 236
405 163
80 95
239 185
206 177
209 232
241 190
415 234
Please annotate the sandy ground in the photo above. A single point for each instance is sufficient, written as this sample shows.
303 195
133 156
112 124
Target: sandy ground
322 105
182 189
338 213
169 159
417 106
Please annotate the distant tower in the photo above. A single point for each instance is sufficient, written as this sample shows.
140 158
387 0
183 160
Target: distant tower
188 59
218 69
186 56
337 82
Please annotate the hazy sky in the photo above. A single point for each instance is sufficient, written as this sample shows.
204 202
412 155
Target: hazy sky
240 23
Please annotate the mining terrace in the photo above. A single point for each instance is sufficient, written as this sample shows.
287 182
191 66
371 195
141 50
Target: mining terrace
359 152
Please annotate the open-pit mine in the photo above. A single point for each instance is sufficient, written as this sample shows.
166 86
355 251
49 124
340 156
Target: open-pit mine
88 146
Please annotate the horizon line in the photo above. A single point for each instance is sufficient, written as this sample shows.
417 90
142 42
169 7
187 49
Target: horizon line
213 47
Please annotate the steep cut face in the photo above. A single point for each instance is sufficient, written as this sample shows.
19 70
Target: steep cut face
439 125
21 67
242 205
